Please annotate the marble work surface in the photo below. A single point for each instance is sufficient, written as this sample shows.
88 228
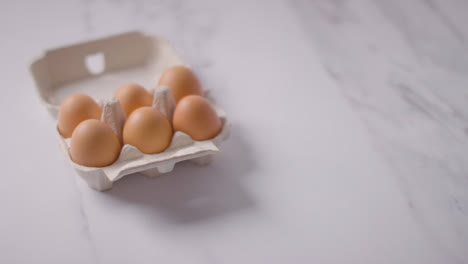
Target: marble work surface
349 141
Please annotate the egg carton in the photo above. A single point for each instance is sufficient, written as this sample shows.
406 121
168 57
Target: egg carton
98 68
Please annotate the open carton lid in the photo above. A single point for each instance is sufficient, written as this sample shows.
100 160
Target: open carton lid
97 68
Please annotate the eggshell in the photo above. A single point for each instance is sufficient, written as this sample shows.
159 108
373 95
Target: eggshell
182 82
75 109
148 130
94 144
133 96
195 116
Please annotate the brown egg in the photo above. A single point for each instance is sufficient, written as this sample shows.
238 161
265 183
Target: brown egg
194 116
133 96
94 144
75 109
181 81
148 130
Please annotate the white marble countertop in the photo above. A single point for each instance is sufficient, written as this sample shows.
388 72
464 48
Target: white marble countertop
349 144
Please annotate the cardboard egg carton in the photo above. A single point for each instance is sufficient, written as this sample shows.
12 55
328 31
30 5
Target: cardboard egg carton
98 68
